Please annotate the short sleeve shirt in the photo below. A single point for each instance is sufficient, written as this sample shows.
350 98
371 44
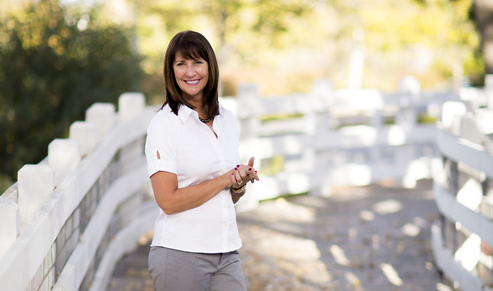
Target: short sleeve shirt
190 149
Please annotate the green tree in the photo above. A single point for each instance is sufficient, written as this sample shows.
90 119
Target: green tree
237 29
267 20
54 64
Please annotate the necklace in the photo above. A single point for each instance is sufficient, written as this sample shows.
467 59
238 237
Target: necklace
205 120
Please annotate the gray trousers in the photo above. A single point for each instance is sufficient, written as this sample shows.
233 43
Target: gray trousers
174 270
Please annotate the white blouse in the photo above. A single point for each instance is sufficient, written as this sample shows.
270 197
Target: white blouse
188 148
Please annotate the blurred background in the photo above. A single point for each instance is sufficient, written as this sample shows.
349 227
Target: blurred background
59 57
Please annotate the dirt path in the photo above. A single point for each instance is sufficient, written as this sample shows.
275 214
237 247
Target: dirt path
360 238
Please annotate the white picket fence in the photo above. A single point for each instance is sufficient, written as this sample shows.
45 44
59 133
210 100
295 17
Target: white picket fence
463 186
67 220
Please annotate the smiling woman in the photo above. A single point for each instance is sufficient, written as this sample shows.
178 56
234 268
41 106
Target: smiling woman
191 150
190 57
191 75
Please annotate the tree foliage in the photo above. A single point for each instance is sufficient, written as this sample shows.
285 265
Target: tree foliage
272 42
431 39
234 26
53 65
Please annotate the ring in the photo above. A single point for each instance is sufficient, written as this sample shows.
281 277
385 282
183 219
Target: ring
238 183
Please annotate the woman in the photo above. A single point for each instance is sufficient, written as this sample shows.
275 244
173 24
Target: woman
196 175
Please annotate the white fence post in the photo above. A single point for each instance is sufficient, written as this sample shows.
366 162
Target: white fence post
247 107
9 224
130 105
36 183
323 89
488 87
249 124
376 121
85 134
63 157
103 115
449 110
470 130
409 84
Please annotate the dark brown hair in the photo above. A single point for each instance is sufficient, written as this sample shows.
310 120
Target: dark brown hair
191 45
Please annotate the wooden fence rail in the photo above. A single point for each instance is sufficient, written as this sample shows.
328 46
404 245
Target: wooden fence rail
463 186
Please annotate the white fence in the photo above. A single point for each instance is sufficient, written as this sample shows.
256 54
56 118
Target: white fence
463 187
67 220
343 137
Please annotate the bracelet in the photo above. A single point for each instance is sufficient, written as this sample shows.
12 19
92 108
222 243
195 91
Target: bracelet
239 190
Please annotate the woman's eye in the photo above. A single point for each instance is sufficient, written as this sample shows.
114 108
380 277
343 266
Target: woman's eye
198 62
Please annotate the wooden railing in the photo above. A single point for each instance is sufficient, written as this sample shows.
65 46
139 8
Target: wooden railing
68 219
463 186
311 142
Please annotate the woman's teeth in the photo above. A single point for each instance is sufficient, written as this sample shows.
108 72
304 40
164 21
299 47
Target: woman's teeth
192 82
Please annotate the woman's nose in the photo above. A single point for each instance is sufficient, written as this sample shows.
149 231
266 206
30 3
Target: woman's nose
190 71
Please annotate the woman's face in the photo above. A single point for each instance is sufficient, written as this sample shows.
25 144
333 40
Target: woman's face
191 76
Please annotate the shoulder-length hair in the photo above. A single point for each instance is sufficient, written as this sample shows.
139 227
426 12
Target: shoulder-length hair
191 45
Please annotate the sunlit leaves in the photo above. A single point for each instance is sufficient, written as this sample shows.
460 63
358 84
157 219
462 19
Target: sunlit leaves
233 26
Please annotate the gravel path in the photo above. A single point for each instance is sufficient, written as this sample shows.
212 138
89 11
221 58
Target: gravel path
360 238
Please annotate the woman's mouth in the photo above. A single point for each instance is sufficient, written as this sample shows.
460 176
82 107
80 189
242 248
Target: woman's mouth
192 82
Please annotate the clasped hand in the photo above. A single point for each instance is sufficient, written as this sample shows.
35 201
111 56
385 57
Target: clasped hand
243 173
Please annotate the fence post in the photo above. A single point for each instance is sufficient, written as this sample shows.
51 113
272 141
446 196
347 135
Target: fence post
35 184
63 157
376 121
130 105
247 114
9 224
470 130
409 84
488 87
103 115
323 89
85 134
249 124
407 116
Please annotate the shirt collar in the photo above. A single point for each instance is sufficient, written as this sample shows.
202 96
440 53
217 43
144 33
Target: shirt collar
184 112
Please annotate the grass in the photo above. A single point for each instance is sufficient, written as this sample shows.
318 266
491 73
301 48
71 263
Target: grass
425 118
272 117
272 166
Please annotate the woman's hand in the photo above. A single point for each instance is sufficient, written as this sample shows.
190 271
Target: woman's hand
244 173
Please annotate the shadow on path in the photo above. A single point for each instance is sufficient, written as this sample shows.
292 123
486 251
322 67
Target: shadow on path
361 238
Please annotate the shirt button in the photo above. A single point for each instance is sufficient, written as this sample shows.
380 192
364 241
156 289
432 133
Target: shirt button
224 206
220 154
225 224
222 172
